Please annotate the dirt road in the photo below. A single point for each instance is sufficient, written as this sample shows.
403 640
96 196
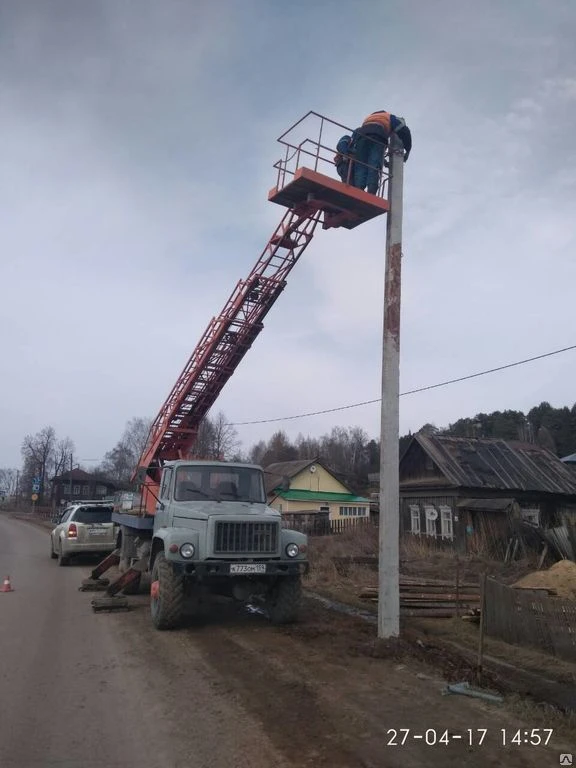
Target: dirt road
79 689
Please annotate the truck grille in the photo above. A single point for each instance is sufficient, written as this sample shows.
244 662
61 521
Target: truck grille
246 538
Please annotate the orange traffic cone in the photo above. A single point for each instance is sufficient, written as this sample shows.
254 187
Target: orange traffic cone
6 586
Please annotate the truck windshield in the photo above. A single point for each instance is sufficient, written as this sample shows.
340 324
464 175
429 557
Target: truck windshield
219 483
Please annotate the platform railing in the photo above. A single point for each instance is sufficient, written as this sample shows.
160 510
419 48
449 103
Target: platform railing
311 142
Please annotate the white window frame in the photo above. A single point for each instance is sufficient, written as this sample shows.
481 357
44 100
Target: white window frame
415 520
76 490
446 523
353 511
530 515
431 528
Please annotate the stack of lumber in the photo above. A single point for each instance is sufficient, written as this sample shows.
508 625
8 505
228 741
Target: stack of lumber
437 599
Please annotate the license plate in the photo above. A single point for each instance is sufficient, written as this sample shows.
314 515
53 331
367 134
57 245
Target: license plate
248 568
98 531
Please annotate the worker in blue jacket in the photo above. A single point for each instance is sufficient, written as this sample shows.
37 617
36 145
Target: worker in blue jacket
342 158
369 143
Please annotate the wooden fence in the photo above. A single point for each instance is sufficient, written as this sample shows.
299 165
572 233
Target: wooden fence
530 617
320 525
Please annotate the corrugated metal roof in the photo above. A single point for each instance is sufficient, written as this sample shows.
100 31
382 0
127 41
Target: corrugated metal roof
275 473
289 468
500 464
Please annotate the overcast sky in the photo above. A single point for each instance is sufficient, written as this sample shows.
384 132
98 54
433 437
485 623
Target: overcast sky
136 151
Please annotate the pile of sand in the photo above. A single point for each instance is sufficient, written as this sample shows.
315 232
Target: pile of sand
561 578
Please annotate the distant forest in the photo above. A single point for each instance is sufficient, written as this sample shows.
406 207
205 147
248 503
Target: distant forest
553 428
348 451
353 455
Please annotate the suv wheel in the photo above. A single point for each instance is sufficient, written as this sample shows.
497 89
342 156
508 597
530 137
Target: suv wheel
62 559
53 554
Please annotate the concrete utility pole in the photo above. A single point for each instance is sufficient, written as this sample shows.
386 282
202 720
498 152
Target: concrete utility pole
389 586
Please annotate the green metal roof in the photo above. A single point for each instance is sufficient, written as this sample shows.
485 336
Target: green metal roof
295 495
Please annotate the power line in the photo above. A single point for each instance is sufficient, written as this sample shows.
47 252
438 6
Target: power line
409 392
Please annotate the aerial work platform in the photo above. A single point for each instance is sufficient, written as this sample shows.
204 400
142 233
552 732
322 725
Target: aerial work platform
303 188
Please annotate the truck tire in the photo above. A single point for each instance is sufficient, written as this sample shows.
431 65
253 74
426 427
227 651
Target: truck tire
283 603
167 606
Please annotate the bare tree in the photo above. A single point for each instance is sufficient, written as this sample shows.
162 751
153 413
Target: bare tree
217 439
135 435
257 452
118 464
38 455
307 447
226 441
121 461
203 447
279 448
63 455
8 478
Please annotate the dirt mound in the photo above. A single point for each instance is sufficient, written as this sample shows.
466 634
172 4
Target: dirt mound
561 577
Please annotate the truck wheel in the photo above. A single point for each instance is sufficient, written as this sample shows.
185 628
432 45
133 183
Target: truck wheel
53 554
283 603
166 595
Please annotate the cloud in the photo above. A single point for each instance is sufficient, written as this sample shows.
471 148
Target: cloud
137 153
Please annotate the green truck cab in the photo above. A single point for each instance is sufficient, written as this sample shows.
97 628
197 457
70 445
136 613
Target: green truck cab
213 532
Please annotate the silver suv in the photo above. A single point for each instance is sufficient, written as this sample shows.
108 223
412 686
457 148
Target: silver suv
83 527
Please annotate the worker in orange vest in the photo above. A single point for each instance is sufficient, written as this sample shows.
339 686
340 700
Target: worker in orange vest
369 143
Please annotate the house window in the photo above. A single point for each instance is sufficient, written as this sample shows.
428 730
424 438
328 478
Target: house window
76 490
85 490
431 517
446 523
531 515
414 518
101 490
352 511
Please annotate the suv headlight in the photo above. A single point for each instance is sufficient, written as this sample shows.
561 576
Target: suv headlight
187 551
292 550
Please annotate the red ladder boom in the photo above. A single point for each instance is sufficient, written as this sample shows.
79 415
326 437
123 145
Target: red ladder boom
226 340
311 197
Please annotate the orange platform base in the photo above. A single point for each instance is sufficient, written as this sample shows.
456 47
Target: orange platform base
344 205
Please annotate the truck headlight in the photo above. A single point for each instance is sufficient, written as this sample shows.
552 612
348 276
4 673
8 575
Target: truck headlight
292 550
187 551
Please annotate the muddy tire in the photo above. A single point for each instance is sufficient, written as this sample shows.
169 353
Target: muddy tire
167 606
283 604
